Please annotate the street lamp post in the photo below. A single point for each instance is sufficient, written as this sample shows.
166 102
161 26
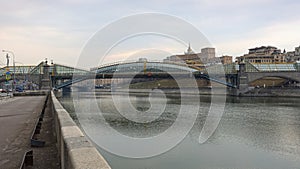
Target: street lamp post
13 87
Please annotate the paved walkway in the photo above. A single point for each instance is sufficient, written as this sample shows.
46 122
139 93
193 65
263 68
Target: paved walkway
17 119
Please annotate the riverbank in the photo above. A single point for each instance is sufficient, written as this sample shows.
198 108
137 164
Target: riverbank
255 92
274 92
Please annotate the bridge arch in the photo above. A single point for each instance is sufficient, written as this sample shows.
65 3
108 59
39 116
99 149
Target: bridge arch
139 68
136 67
294 76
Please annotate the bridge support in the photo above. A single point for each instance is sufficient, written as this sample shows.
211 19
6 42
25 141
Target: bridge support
242 79
45 82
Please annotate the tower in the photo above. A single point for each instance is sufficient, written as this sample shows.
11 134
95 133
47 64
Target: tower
45 83
189 50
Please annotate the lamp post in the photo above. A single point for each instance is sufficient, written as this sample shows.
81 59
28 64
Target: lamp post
13 84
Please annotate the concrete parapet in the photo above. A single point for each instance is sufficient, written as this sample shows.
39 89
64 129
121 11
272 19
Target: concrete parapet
76 151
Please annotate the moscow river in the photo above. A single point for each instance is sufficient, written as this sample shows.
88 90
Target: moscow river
254 133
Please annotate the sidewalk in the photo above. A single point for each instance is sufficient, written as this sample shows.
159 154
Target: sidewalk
17 119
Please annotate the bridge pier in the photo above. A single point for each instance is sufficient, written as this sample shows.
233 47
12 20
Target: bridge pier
232 79
45 82
242 79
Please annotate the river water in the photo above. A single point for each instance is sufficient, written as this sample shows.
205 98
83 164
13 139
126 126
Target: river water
254 133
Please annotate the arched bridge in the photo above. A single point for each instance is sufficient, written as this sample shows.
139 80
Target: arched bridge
239 75
234 76
139 68
157 70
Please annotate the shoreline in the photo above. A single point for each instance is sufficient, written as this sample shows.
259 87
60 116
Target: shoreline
256 92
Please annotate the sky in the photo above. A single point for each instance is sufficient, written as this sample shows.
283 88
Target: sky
59 30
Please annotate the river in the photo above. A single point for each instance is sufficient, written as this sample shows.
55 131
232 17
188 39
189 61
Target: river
254 133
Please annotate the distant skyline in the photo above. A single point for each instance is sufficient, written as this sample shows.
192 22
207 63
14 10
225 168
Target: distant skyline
58 30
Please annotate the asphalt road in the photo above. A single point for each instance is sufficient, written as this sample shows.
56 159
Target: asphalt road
17 119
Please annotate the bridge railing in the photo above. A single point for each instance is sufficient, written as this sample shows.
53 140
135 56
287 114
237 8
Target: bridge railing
134 61
110 64
262 67
282 67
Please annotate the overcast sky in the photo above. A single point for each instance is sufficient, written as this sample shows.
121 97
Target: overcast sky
58 30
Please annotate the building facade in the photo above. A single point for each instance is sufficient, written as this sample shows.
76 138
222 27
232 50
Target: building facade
226 59
207 55
293 56
264 54
297 51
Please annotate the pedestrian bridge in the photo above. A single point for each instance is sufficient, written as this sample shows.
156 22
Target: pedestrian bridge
288 71
33 74
19 71
143 67
62 76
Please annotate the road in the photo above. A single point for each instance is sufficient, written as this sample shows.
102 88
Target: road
17 119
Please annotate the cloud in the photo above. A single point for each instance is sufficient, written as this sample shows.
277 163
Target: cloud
31 44
59 29
284 35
